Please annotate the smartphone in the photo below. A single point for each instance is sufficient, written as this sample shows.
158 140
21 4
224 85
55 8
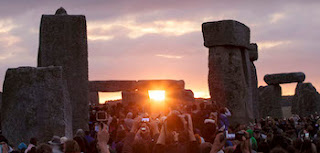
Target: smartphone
145 120
101 116
306 135
230 136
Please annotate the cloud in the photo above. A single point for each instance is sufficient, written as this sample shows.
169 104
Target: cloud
125 37
102 30
271 44
169 56
276 17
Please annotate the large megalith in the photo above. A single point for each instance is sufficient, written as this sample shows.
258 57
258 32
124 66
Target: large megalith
269 101
63 42
280 78
306 100
35 104
229 71
253 55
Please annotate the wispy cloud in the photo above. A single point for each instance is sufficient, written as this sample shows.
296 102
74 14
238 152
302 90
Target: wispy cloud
271 44
100 37
100 30
274 18
169 56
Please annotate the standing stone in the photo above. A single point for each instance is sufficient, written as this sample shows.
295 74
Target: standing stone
253 54
94 98
35 104
306 100
63 42
229 69
269 101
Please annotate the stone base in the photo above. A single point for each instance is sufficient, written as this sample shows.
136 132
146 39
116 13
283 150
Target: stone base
35 104
306 100
269 101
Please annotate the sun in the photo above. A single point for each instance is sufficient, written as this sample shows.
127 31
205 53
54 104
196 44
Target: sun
157 95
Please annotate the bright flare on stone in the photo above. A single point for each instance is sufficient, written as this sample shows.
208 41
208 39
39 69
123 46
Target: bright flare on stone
157 95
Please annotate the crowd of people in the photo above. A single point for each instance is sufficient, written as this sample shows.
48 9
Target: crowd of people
183 129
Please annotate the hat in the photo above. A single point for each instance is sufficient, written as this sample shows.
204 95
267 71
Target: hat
63 139
22 146
55 140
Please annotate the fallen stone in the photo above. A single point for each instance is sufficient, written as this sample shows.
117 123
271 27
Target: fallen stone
35 104
225 32
306 100
273 79
63 42
269 101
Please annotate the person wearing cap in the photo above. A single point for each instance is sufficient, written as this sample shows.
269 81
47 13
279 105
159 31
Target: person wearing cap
55 143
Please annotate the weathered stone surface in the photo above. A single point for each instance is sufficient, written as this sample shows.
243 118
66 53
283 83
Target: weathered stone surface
228 80
112 86
160 84
253 55
35 104
94 98
225 32
63 42
134 97
269 101
246 64
253 52
255 91
188 96
273 79
306 100
61 11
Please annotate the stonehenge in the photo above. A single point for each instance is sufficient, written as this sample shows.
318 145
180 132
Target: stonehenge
305 101
63 42
36 103
136 92
229 76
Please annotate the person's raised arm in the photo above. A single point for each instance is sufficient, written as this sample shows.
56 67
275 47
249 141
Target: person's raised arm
228 113
218 143
103 138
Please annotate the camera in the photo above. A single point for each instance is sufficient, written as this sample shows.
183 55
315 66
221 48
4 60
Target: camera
101 116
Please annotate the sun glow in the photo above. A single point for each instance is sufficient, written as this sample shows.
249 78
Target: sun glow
157 95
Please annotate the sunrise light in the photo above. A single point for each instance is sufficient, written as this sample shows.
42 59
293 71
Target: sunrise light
157 95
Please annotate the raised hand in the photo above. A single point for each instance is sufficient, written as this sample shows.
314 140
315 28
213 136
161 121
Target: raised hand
103 138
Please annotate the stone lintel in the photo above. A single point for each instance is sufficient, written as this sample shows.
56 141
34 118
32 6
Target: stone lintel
226 32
